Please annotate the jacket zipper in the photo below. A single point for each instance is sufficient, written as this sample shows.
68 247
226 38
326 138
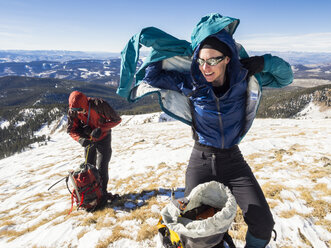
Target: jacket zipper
220 120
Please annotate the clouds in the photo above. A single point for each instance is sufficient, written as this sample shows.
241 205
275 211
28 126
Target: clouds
312 42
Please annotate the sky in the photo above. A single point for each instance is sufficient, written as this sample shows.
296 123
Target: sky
107 25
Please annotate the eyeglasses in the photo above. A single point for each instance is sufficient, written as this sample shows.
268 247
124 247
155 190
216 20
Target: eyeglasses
76 109
210 61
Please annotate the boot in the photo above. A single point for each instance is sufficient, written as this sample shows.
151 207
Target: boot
252 242
111 197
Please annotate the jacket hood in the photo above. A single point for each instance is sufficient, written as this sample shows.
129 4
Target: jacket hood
78 100
212 24
234 68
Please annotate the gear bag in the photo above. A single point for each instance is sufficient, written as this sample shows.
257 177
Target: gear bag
199 220
87 192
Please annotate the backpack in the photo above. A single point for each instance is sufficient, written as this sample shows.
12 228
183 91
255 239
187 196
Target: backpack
199 220
87 192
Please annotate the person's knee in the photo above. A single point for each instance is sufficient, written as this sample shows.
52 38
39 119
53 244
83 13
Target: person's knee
260 222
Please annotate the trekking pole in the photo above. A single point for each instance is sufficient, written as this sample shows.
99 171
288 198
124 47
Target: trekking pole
57 182
87 151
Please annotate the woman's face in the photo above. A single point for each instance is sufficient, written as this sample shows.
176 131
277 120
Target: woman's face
214 74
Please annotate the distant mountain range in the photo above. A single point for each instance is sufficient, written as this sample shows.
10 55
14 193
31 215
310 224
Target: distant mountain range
98 71
302 58
19 92
51 55
97 68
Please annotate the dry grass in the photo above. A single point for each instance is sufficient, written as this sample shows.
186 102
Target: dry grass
305 194
81 234
320 207
288 214
146 231
257 167
304 239
272 190
117 234
323 189
239 228
90 220
13 234
253 156
326 161
325 223
279 154
320 172
273 204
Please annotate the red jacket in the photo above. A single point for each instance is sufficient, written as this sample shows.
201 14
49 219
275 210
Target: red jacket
101 115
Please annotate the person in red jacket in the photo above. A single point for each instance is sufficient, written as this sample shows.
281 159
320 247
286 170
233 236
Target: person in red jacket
90 121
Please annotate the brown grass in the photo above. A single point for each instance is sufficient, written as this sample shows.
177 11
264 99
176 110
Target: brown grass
323 189
257 167
239 228
253 156
146 231
321 207
272 204
117 234
319 172
272 190
304 239
279 155
325 223
12 234
81 234
90 220
288 214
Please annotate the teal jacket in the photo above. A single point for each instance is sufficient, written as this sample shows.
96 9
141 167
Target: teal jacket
218 121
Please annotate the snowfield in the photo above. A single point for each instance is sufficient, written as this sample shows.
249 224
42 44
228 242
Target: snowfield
291 159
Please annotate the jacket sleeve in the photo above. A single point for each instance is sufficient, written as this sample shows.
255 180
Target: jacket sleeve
276 73
163 46
163 79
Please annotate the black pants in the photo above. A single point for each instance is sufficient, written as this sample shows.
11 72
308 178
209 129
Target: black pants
99 155
228 166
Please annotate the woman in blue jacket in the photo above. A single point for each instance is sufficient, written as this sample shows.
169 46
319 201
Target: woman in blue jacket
217 89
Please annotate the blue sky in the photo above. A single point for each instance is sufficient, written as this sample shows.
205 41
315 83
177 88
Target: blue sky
106 25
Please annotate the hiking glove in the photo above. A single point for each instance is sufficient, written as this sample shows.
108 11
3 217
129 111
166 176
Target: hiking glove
253 64
87 130
96 133
85 142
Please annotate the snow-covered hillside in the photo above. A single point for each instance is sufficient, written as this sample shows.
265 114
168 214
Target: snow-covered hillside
291 160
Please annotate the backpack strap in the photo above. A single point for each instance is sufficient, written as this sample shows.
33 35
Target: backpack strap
88 115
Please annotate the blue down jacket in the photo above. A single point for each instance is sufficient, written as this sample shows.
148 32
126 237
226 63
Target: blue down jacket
219 122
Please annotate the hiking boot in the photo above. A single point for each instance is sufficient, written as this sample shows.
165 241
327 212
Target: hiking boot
112 197
102 204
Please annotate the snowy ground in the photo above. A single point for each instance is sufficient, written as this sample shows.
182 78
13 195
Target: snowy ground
291 160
